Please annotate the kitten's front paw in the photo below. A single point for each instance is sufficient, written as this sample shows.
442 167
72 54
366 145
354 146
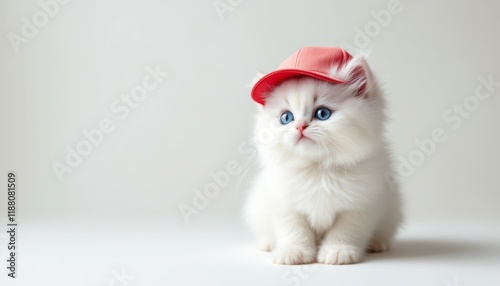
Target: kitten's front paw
339 254
294 255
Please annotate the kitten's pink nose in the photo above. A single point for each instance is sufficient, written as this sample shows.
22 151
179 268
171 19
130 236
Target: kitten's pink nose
301 127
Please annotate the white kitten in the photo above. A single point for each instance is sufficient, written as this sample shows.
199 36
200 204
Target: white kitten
322 194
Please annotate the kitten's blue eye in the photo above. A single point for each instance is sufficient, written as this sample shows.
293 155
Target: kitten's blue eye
286 117
323 113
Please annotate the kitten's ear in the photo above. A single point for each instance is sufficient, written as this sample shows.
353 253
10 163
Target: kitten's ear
255 79
357 74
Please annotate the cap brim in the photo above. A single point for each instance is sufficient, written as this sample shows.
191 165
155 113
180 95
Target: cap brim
267 83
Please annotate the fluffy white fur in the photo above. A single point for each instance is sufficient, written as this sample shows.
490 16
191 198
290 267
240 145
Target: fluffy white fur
324 198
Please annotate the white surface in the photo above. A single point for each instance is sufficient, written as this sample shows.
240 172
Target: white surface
220 252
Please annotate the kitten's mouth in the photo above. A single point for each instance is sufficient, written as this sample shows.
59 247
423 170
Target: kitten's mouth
303 138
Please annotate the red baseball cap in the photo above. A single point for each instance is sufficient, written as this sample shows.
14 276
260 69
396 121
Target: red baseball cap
309 61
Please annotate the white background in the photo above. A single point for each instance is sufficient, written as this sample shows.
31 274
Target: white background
65 78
